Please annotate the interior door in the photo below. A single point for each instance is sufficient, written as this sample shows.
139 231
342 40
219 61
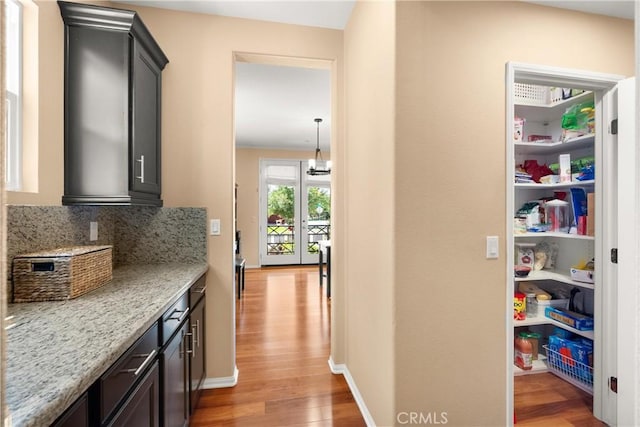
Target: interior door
607 206
628 245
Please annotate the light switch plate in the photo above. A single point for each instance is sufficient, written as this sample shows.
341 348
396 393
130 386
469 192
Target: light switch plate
214 227
492 247
93 231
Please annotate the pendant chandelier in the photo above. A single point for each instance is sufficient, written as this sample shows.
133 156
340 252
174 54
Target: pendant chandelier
318 166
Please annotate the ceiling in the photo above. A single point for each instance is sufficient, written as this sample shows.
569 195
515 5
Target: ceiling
276 105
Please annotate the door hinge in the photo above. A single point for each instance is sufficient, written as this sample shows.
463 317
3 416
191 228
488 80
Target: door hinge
613 129
613 384
614 255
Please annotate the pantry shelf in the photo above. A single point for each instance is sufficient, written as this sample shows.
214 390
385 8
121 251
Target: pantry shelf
550 112
541 319
555 276
528 148
551 234
538 366
563 185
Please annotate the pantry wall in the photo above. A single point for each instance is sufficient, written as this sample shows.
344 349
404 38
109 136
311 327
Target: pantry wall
559 217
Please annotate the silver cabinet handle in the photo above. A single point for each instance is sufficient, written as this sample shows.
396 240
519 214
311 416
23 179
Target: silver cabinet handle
201 290
148 358
183 344
141 161
197 339
194 341
179 318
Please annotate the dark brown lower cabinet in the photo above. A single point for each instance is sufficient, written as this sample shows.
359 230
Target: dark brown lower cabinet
157 381
197 360
175 386
142 408
77 415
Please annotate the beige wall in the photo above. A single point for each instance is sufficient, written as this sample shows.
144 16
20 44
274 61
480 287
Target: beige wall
248 180
444 157
450 186
370 223
197 129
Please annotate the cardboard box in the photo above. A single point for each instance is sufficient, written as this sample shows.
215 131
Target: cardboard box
591 214
577 321
584 276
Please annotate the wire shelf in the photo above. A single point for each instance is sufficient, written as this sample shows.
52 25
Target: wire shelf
569 369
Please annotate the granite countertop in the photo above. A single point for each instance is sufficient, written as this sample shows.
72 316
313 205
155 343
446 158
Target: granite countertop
56 350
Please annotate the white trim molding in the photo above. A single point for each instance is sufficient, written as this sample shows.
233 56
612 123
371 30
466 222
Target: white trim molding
222 382
341 369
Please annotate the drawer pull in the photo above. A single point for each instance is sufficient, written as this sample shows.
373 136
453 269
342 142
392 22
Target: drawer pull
136 371
201 290
181 317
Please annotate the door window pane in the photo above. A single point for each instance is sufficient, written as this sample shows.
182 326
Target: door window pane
280 219
319 216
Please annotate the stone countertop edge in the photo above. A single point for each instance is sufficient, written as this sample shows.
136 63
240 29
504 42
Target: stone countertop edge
58 349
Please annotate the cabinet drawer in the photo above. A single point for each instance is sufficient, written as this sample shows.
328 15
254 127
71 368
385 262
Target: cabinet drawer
174 317
116 383
197 290
142 408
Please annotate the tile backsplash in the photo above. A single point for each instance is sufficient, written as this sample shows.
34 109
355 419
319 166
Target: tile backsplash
139 235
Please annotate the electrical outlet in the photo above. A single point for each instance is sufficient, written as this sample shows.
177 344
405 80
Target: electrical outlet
93 231
214 227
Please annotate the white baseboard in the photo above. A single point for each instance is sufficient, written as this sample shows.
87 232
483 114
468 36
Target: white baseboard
341 369
222 382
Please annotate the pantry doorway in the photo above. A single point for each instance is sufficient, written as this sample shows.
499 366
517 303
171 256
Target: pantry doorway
614 335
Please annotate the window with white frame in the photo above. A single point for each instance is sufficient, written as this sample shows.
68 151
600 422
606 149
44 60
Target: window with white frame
13 97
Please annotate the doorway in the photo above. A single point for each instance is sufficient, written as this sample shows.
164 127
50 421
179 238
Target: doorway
608 184
295 212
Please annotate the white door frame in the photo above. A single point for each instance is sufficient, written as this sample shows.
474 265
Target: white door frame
600 84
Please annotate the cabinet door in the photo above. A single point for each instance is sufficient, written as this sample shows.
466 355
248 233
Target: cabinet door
197 361
96 113
175 399
145 130
76 416
142 407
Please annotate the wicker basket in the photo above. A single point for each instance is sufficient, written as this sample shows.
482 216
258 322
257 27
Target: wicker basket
60 274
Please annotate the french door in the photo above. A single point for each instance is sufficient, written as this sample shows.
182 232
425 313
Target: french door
295 212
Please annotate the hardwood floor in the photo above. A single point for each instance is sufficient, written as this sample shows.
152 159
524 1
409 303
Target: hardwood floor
283 344
546 400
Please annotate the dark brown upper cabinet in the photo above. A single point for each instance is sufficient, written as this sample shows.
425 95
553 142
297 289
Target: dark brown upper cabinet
112 120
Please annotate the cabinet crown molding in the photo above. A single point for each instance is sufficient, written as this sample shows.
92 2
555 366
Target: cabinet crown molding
105 18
